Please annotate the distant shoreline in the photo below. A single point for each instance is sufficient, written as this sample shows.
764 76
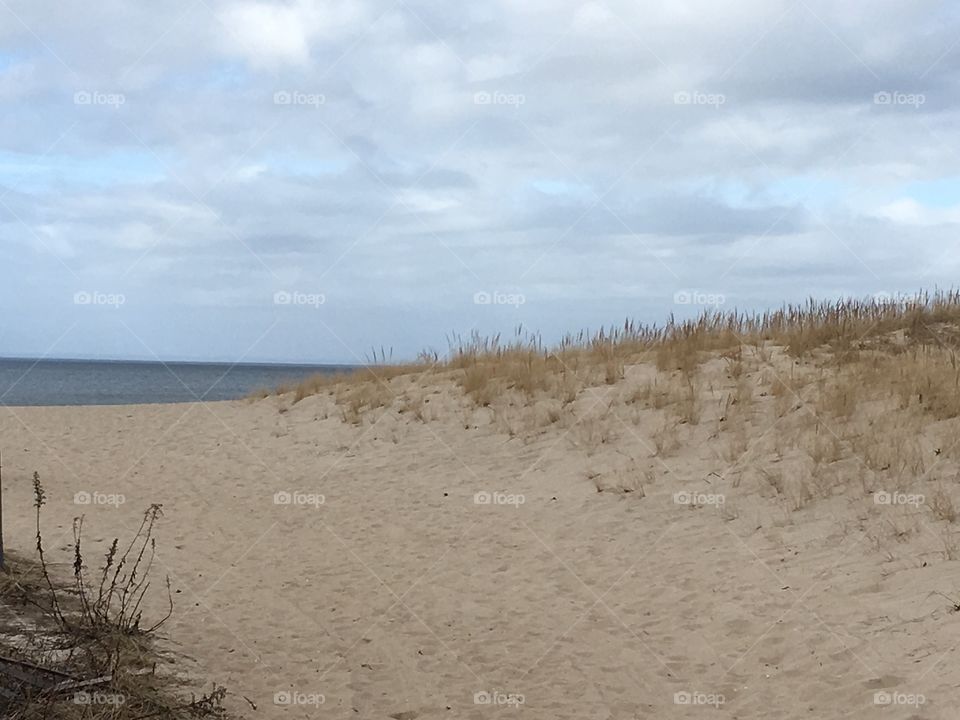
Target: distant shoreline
219 363
45 382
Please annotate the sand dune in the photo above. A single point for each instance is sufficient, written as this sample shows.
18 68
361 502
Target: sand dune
402 593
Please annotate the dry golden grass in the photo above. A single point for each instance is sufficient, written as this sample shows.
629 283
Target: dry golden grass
355 399
846 332
941 505
625 481
666 439
865 395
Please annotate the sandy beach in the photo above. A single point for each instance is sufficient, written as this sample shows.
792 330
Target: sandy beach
466 564
590 360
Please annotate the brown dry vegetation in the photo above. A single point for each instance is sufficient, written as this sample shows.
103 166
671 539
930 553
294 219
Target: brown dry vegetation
908 344
91 628
858 394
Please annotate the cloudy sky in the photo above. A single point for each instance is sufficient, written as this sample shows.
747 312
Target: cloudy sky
302 180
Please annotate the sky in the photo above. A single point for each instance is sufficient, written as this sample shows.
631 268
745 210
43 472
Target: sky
306 181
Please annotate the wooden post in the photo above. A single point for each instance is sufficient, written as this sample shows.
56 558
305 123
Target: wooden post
3 564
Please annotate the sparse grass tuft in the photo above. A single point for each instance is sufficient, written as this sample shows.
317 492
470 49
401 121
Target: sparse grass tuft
91 628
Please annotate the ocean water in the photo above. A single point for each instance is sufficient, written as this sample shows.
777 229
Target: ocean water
90 382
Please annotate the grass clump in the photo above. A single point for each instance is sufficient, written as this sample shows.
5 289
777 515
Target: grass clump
88 653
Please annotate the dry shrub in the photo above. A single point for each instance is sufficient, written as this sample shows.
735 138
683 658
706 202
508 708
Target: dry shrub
91 627
666 438
779 388
738 441
889 446
824 481
507 419
688 407
660 395
621 482
478 384
567 387
838 396
354 400
729 512
527 373
800 492
551 413
414 404
613 371
734 360
823 446
641 394
929 377
591 433
774 479
743 393
941 505
375 373
951 546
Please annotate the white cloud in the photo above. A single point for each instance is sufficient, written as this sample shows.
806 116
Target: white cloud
270 34
598 183
490 67
267 34
907 211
